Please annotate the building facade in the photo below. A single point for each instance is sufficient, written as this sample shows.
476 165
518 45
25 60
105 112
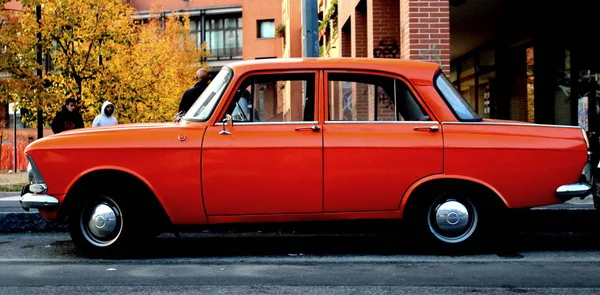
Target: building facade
509 59
231 29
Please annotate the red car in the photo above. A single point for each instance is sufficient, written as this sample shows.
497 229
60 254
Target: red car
285 140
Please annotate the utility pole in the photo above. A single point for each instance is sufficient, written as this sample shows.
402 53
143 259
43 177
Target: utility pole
40 120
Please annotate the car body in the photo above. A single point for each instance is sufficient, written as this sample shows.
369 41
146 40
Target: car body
316 139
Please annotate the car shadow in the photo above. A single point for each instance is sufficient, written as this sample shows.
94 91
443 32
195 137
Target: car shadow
354 238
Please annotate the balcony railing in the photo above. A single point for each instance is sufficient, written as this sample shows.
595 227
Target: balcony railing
225 53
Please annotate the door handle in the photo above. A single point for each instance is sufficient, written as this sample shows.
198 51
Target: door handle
313 128
425 128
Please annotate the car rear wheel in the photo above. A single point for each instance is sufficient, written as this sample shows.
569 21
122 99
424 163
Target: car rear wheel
451 221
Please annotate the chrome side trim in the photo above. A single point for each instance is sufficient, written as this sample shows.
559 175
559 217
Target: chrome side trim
30 200
270 123
510 124
382 122
574 190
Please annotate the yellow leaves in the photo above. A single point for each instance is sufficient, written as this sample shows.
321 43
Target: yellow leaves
155 71
94 51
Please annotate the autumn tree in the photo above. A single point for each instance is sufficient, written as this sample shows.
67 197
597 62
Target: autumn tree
94 51
155 70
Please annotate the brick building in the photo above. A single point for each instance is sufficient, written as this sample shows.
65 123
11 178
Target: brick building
509 59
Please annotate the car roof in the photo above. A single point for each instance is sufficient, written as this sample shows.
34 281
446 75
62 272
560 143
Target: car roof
420 72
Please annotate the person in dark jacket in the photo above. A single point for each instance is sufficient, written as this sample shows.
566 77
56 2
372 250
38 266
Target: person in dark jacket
191 95
68 118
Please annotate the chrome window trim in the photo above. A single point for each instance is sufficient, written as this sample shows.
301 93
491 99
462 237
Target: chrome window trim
270 123
382 122
510 124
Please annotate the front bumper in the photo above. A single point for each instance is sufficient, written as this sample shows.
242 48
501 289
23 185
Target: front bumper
30 200
37 201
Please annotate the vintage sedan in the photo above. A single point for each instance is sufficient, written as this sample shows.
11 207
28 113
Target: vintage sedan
317 139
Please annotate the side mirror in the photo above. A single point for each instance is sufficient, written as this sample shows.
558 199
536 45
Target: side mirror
229 122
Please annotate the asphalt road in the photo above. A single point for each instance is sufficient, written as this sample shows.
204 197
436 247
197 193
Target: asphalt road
289 263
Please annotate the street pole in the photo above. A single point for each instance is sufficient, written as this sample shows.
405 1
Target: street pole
15 138
40 120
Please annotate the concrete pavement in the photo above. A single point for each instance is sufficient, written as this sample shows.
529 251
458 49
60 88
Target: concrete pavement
14 219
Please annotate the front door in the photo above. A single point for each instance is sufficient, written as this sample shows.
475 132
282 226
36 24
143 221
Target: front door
271 160
378 140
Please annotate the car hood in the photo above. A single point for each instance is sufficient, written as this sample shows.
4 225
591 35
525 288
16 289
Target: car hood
138 134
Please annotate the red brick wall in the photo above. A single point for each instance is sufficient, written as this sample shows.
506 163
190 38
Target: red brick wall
359 40
425 31
384 24
346 40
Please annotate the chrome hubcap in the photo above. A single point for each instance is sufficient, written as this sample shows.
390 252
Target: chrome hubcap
101 223
452 221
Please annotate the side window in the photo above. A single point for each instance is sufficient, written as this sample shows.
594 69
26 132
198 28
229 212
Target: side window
274 98
365 97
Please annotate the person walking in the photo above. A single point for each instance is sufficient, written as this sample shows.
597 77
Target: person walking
106 116
67 118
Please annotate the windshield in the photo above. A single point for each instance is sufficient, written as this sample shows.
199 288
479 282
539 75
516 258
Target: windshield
459 106
205 104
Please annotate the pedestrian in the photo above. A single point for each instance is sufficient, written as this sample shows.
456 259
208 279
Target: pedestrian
67 118
191 95
106 116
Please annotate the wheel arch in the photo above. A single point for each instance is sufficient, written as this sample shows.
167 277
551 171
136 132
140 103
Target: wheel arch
438 181
116 176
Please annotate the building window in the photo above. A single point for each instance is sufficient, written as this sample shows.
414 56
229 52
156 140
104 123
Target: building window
266 28
224 36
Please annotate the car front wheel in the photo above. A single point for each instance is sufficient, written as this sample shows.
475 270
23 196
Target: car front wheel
100 225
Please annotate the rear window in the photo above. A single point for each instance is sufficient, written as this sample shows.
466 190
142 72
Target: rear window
459 106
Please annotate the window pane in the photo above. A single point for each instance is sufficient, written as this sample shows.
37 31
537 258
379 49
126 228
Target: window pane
230 39
460 107
216 24
267 29
239 38
239 22
216 39
274 98
205 104
357 97
230 23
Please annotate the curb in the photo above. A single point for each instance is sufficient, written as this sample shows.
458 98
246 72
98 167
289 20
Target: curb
30 221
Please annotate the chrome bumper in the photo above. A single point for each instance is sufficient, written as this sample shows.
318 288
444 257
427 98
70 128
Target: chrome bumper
36 201
575 190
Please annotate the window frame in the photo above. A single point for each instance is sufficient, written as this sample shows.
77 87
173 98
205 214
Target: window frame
209 29
258 29
239 81
418 98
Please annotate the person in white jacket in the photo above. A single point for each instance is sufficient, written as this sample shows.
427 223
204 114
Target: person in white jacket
106 116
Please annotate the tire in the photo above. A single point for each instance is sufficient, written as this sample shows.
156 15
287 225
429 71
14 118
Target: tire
102 225
452 221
